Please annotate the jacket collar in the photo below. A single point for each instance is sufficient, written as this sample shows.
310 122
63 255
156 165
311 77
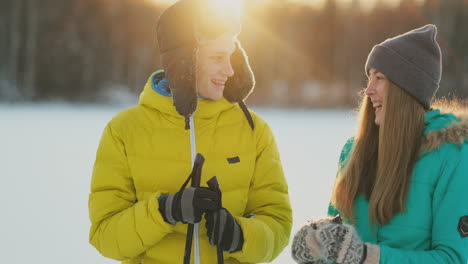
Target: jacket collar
151 98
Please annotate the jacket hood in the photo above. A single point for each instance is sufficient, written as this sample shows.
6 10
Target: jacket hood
164 102
443 128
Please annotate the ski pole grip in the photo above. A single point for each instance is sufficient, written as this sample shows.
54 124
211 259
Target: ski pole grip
197 170
213 184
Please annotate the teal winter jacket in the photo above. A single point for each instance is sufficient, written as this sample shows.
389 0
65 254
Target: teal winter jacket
432 228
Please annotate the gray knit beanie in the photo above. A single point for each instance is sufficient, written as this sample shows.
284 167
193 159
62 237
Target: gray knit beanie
412 61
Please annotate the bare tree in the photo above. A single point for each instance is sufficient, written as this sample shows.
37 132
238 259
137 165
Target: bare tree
15 42
31 44
4 38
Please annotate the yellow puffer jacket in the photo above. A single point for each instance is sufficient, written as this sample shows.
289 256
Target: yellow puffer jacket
145 152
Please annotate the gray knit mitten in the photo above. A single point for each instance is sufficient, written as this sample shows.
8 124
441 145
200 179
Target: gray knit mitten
328 240
305 248
341 244
301 250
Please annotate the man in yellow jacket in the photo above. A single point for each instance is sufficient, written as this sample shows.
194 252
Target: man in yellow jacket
137 208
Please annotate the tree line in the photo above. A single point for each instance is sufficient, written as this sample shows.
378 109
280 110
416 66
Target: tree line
302 55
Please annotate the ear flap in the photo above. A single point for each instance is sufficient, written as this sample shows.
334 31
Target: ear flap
241 84
179 68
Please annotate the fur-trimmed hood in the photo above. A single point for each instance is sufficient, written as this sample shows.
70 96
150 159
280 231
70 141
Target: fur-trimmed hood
444 128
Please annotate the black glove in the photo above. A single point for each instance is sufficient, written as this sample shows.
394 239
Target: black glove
188 205
223 230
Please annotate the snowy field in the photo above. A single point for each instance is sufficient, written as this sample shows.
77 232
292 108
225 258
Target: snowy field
47 153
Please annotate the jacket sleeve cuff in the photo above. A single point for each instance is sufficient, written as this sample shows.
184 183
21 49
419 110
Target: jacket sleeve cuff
153 204
256 247
373 254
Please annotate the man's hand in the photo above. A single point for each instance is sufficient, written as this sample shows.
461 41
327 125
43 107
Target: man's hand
188 205
223 230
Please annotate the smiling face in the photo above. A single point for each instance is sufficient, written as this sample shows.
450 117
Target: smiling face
214 66
376 90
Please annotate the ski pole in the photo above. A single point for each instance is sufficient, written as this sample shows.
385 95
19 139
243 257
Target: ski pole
214 185
195 176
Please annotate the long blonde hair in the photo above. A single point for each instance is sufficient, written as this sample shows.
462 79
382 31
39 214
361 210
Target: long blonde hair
382 159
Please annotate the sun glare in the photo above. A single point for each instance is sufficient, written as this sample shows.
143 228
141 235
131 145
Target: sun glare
228 4
222 4
228 7
162 2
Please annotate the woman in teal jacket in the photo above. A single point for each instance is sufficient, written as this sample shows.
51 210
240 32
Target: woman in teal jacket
401 195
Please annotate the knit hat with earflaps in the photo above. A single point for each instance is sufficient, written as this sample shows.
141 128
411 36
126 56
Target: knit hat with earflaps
412 61
178 29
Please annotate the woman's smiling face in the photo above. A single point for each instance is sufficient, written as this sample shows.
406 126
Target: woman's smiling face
376 90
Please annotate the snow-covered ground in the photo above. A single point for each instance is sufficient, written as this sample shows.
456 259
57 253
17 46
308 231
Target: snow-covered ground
47 153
